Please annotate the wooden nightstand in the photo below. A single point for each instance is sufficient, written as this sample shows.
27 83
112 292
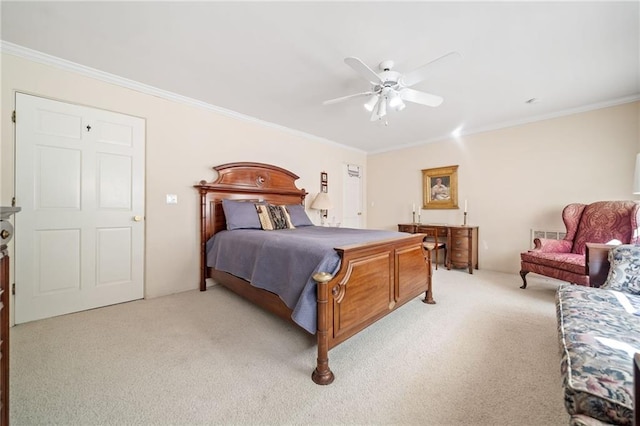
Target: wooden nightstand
463 247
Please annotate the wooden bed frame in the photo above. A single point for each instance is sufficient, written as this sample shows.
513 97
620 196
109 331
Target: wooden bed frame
374 278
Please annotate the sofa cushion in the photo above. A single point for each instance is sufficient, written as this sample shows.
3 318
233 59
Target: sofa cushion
564 261
580 420
624 270
598 338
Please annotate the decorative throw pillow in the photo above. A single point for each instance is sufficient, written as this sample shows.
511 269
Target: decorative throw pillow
273 217
298 215
240 214
624 272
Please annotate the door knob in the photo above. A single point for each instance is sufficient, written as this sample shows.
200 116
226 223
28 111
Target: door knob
6 231
137 218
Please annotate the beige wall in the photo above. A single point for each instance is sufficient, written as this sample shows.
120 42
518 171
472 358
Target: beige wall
182 144
515 178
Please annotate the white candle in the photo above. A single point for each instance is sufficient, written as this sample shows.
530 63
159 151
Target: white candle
414 207
465 206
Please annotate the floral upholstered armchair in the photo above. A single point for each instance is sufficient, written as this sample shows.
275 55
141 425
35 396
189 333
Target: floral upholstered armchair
590 225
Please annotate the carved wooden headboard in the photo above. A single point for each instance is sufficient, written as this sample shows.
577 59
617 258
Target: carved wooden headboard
242 181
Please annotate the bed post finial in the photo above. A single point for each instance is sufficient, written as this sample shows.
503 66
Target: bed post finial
322 375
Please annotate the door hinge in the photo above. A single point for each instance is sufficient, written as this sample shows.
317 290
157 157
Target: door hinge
13 289
13 116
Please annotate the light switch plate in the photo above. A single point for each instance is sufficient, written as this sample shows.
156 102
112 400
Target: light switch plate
172 199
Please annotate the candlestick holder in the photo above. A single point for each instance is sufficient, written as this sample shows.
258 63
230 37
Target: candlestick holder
414 217
464 223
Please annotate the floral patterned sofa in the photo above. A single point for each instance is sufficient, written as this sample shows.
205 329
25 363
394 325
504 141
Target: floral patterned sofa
566 259
599 333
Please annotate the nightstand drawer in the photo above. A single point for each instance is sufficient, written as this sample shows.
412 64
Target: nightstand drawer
459 243
462 233
432 231
462 255
407 228
459 257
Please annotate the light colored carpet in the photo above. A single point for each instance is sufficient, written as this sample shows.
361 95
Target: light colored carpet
485 354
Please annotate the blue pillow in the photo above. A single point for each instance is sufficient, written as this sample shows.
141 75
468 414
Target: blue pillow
298 215
240 214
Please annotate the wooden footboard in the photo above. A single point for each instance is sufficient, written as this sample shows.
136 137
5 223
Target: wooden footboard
374 279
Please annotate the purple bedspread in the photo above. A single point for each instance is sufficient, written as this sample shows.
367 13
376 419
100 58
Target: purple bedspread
284 261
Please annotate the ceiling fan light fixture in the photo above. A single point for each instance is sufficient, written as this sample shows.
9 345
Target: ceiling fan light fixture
371 103
382 107
390 89
394 99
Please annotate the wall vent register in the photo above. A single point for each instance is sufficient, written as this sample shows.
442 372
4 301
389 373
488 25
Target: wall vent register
551 235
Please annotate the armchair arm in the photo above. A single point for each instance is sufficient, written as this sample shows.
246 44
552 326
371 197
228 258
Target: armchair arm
546 245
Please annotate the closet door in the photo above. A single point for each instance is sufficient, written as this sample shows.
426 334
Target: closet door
79 240
352 201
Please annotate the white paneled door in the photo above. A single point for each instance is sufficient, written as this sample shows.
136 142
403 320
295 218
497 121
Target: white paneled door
352 201
79 240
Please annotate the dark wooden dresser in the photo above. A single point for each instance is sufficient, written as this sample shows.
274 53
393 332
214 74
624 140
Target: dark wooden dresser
4 335
461 240
6 233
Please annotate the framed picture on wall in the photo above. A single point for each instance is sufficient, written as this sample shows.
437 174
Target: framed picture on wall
440 188
324 182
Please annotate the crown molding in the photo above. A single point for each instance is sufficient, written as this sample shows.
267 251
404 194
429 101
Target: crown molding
46 59
514 123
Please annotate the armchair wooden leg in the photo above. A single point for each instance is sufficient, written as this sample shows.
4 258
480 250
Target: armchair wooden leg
436 250
524 280
445 256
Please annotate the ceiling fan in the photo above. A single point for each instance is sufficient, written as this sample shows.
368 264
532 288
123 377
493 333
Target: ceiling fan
390 88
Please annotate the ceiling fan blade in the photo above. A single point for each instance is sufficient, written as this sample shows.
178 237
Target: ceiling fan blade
344 98
362 69
420 97
419 74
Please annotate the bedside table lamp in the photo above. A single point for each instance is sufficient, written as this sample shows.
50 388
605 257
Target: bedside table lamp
322 203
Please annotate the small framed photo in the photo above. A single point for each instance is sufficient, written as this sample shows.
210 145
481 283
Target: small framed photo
323 187
323 177
440 188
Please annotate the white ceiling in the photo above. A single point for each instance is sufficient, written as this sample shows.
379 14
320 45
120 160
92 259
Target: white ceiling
278 61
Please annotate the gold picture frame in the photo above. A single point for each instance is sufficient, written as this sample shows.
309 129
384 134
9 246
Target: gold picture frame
440 188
